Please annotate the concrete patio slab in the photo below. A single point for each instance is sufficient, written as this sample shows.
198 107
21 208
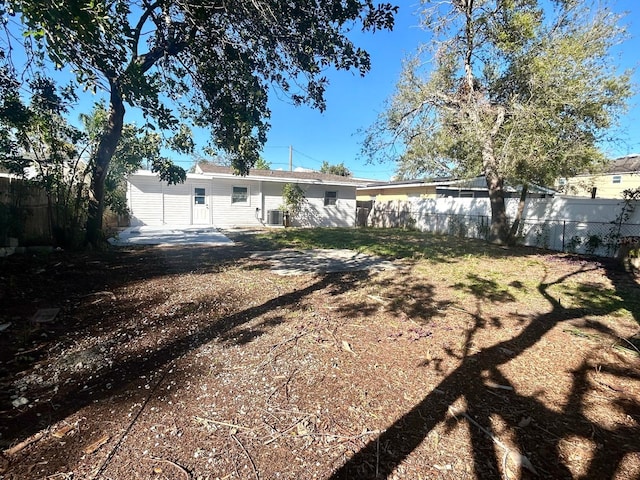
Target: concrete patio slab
171 235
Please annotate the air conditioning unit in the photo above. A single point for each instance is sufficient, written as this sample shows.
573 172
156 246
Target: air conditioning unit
274 217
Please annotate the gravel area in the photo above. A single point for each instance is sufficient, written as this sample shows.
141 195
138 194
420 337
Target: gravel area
199 362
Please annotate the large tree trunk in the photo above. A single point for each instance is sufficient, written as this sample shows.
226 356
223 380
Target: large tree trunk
513 234
477 108
499 228
104 153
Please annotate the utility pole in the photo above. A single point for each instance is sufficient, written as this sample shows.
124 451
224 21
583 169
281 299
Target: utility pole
291 158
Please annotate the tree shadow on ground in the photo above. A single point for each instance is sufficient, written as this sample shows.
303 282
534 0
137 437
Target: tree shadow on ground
380 457
231 328
471 384
69 280
626 285
390 243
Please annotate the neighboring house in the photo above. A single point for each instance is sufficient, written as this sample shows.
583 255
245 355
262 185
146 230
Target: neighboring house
438 188
619 175
213 195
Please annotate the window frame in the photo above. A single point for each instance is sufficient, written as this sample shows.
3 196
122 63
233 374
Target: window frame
199 192
618 178
247 199
330 201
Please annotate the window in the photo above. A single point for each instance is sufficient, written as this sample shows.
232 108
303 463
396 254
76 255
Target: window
199 196
617 179
330 198
562 182
240 195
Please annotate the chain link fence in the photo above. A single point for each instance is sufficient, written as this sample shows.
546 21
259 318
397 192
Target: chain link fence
591 238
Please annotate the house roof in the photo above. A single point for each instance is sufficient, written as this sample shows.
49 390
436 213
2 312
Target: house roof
409 183
476 183
628 164
281 175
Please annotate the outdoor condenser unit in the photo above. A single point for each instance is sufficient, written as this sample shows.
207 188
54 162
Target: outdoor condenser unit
274 217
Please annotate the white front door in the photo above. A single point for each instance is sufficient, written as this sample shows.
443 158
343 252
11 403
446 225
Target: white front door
200 206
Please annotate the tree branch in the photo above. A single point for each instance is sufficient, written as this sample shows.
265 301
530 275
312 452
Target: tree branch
138 28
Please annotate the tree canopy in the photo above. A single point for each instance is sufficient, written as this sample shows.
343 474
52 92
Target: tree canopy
338 169
515 90
262 164
210 62
138 148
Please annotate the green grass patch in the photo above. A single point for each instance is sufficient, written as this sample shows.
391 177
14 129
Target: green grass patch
472 269
593 297
389 243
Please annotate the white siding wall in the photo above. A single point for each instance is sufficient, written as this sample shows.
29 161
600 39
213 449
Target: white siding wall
550 222
145 201
155 203
542 209
272 197
177 203
227 214
315 214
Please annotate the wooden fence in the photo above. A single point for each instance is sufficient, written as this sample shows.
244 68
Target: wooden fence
23 212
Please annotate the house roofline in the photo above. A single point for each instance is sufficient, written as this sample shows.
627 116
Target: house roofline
253 176
395 185
452 183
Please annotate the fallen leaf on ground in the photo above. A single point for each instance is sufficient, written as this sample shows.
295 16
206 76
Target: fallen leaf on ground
346 347
525 422
302 429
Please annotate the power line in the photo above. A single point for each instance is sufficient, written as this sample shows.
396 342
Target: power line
307 156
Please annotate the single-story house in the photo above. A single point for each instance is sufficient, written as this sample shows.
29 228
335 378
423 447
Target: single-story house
618 175
438 188
214 195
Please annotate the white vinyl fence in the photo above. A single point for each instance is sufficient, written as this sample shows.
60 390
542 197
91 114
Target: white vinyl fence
580 225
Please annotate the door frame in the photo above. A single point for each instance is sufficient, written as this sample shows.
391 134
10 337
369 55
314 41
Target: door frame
200 207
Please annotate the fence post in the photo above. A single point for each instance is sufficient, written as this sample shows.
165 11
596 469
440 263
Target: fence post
564 229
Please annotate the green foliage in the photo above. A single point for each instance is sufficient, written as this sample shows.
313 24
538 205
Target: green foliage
593 243
457 226
14 115
262 164
12 220
49 150
542 235
210 65
516 91
215 63
628 206
574 243
138 147
338 169
293 197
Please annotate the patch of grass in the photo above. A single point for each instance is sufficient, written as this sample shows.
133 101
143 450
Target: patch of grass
474 270
593 297
389 243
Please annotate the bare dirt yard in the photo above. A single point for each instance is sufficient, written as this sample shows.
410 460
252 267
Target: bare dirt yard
464 361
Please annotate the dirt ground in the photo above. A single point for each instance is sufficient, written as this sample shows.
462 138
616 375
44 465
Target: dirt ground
202 363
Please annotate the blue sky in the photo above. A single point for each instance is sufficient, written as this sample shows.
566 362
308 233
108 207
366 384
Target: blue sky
353 102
